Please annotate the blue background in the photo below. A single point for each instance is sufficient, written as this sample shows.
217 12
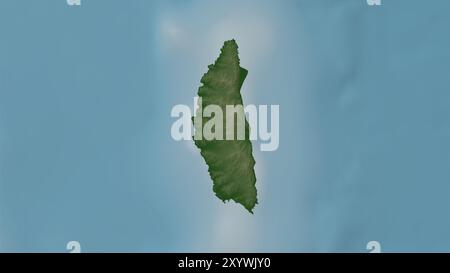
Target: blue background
85 146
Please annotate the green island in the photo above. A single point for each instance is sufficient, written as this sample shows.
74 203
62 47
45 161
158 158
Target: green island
230 162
